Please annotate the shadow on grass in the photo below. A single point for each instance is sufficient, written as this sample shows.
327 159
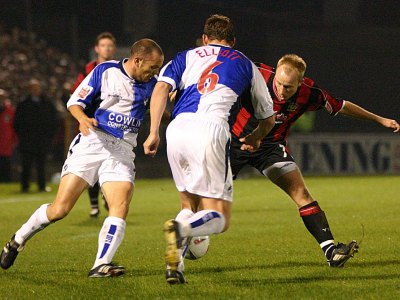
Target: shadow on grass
244 282
53 276
291 264
284 265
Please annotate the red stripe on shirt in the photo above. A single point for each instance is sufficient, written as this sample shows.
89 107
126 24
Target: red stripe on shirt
241 120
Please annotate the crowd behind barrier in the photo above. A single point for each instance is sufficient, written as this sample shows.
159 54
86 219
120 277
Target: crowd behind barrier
24 57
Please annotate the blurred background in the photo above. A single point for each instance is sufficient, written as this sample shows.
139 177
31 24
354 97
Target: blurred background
352 47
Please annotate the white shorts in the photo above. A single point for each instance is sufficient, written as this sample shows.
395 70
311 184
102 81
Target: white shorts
198 154
100 157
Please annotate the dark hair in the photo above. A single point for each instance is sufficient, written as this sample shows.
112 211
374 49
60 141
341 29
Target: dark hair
105 35
145 47
220 28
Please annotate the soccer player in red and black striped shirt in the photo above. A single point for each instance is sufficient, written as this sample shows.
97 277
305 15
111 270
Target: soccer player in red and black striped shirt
105 48
293 95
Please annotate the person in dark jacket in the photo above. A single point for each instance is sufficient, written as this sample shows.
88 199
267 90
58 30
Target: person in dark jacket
35 124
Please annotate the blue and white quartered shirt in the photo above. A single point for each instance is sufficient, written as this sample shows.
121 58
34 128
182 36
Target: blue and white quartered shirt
209 79
123 100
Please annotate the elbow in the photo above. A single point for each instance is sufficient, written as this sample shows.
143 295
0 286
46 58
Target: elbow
163 86
271 121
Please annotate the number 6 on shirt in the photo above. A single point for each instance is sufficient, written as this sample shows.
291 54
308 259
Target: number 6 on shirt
208 80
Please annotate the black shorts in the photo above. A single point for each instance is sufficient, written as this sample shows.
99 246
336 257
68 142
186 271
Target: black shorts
265 156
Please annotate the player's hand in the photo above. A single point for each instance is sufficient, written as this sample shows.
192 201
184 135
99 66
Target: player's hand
250 143
86 124
150 146
172 96
392 124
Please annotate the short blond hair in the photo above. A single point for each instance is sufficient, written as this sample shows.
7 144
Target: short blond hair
295 61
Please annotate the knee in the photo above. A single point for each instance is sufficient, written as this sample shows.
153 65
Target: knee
119 209
119 205
57 212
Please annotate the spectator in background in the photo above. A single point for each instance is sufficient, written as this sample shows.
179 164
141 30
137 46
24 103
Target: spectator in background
105 47
24 55
35 124
8 137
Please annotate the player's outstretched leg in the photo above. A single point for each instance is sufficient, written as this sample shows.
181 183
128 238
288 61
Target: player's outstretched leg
35 223
342 253
317 224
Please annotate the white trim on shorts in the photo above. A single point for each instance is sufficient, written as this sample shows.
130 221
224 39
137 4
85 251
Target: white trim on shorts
278 169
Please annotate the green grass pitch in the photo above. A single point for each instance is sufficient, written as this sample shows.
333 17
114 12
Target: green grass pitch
266 254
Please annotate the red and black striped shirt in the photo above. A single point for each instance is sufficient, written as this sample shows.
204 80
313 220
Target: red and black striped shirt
88 68
309 97
81 76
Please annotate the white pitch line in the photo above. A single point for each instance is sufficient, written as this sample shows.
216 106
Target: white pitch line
84 236
26 199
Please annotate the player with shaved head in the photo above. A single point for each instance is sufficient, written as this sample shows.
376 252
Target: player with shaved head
102 151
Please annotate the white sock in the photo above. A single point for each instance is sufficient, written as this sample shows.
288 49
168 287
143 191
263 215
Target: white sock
35 223
110 237
204 222
184 214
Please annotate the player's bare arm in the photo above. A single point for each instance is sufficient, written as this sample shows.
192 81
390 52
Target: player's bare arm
166 117
355 111
252 141
85 123
158 104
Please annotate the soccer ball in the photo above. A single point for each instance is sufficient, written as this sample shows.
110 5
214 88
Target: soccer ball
198 247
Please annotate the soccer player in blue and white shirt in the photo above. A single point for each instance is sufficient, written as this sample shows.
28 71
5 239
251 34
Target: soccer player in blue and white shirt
208 81
102 151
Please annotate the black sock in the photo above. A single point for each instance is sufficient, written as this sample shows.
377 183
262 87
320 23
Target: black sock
94 195
316 223
94 204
